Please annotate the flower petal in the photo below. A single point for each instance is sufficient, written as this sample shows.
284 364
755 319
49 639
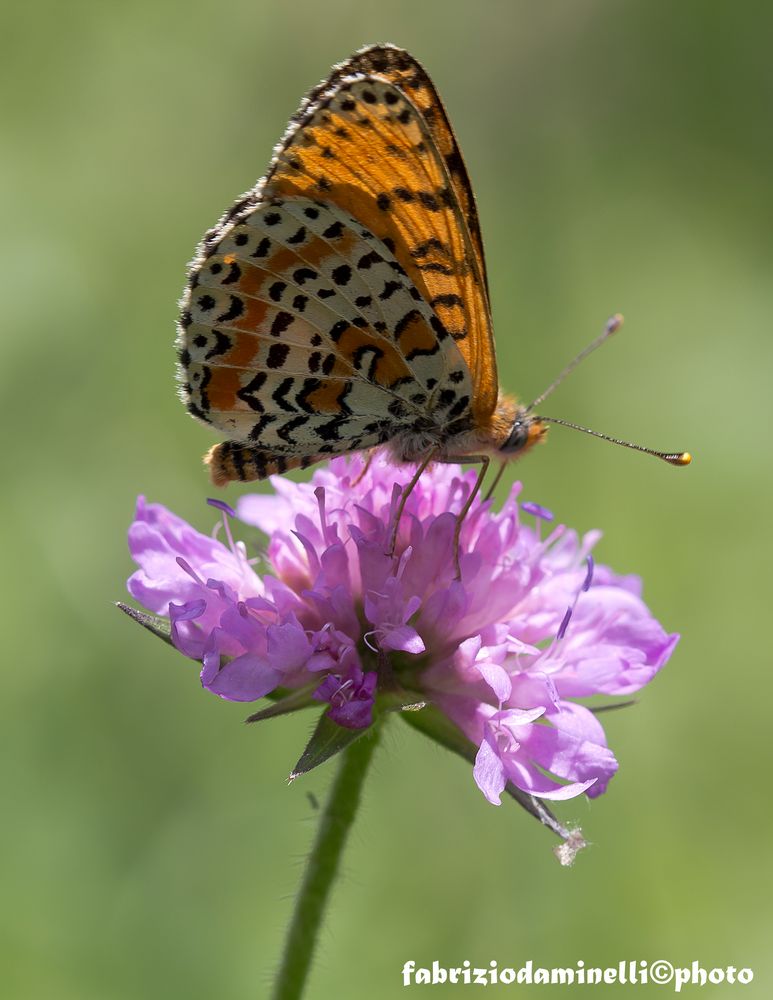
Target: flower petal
489 773
245 678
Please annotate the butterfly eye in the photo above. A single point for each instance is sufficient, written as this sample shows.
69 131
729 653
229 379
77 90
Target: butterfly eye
518 437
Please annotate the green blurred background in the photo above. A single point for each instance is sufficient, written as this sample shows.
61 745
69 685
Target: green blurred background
622 154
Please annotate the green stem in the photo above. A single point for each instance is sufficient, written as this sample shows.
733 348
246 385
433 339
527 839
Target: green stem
322 866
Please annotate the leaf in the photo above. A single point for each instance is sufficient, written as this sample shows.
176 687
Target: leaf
327 740
291 702
439 727
153 623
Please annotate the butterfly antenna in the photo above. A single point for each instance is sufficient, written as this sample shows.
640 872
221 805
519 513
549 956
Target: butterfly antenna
672 457
611 326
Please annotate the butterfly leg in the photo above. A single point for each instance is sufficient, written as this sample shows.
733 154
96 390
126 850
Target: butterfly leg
484 461
404 499
368 460
495 483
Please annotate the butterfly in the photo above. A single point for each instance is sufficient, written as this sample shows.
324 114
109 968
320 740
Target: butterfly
342 303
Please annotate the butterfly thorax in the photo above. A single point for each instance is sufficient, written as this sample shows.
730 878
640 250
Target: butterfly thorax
509 432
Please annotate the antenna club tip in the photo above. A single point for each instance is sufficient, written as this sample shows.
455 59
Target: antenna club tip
684 459
614 323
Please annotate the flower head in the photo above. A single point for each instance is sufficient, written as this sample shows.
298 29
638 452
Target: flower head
503 652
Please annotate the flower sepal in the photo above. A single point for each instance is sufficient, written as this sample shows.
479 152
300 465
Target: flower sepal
284 702
161 627
327 740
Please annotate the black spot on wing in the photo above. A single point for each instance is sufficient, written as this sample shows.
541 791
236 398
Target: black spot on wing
439 328
368 259
435 266
309 386
337 330
408 318
459 407
433 243
194 411
260 426
448 300
234 273
342 275
248 393
361 354
277 355
390 287
422 352
235 310
331 431
286 430
279 394
203 395
222 344
303 274
262 249
298 237
428 201
281 322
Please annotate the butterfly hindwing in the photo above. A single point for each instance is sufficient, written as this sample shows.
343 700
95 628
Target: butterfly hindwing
300 335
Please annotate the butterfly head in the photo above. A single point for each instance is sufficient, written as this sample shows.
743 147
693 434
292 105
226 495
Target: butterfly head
514 429
525 431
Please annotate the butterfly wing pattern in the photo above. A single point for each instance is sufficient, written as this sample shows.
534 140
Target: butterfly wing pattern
342 302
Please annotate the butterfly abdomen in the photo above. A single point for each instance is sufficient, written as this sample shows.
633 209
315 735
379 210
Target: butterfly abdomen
232 461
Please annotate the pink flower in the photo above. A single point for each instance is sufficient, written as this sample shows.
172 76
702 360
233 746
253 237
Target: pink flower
504 652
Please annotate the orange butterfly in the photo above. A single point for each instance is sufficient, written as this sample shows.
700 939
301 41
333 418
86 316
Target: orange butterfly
342 303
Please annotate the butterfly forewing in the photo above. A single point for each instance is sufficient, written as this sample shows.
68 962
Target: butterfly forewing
401 69
388 156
